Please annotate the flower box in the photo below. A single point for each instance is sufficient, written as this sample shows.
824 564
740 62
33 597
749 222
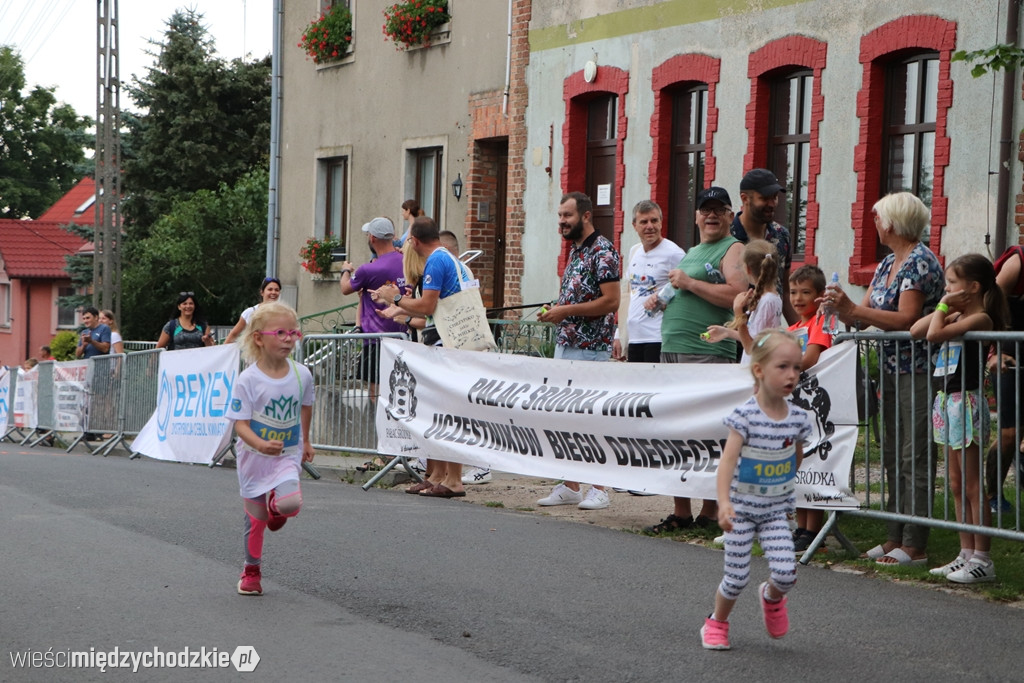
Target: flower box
329 38
417 23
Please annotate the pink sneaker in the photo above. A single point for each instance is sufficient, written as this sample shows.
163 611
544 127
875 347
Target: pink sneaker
714 634
249 584
776 616
274 520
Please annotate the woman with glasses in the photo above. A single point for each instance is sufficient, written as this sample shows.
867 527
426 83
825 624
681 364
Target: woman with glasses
188 329
270 290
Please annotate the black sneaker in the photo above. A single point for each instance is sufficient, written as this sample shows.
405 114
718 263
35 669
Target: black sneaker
704 522
802 539
670 524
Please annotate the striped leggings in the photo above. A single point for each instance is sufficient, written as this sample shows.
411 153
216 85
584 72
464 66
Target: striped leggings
765 517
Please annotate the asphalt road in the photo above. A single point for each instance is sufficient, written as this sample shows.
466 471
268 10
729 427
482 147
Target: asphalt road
103 553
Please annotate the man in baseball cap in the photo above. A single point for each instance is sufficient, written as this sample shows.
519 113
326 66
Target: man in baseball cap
385 269
759 195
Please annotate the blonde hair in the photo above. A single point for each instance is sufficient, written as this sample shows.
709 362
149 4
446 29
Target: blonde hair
762 260
251 351
113 321
904 214
765 344
412 264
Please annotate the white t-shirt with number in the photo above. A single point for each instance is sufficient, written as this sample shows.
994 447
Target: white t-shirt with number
648 271
273 409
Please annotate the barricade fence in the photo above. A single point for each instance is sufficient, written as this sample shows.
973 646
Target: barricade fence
943 429
901 476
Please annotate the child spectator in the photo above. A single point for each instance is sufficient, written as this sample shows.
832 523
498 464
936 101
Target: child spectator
960 420
806 285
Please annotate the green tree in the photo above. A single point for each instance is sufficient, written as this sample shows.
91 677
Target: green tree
212 243
42 143
203 121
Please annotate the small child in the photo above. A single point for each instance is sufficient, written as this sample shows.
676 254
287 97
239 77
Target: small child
272 407
756 483
805 286
960 420
758 308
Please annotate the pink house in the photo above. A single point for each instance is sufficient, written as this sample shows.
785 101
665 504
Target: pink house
32 274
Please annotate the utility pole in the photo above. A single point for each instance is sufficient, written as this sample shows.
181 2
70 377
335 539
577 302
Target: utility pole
106 273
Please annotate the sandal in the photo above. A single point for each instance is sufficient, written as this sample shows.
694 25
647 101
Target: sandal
671 523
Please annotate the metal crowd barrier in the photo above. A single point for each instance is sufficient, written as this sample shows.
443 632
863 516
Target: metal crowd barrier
905 490
104 404
524 337
12 429
46 420
136 397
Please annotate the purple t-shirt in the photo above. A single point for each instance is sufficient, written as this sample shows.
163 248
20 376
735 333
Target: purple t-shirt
386 269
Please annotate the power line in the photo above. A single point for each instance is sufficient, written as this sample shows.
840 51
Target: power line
56 24
40 21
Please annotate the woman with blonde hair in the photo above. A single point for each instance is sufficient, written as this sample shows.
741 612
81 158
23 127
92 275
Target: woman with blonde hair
116 342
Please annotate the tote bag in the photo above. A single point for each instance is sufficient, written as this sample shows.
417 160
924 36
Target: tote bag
461 319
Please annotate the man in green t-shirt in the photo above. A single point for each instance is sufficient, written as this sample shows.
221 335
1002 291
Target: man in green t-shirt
707 281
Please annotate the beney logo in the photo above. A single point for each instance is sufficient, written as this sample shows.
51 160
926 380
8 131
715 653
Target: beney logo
163 407
402 399
813 398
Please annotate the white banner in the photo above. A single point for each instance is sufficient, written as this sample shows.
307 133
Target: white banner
71 395
643 427
26 414
194 391
6 414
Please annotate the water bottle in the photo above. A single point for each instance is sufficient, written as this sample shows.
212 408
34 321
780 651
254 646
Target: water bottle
665 295
715 276
831 322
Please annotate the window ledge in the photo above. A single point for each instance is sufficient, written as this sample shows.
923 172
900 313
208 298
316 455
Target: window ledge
347 59
442 35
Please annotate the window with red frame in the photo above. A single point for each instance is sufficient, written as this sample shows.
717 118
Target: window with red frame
789 147
686 173
908 141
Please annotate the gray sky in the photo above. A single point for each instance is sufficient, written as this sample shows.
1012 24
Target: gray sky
57 38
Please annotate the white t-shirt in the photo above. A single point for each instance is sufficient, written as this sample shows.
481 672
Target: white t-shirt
648 271
767 315
115 337
247 313
273 409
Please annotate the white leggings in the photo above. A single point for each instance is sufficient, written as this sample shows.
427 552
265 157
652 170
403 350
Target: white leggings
767 518
287 500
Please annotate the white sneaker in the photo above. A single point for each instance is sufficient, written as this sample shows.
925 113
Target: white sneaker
974 571
719 540
417 465
597 499
950 567
476 475
562 495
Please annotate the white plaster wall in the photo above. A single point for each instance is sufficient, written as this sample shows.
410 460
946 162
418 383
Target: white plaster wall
973 121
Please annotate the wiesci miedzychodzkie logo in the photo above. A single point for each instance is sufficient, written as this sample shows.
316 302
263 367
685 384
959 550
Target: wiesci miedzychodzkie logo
813 398
402 397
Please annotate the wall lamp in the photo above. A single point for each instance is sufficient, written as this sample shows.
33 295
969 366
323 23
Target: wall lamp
457 187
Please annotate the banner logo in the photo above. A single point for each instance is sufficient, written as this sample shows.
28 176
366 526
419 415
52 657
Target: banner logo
402 399
163 407
814 398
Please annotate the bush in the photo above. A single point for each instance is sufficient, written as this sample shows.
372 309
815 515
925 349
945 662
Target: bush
63 345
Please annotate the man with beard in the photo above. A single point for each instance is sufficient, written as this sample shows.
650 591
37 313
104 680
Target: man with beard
759 195
584 313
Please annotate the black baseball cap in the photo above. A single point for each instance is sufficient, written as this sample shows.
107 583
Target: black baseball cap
713 192
761 180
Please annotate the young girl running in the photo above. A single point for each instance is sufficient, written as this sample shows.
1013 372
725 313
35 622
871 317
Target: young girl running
271 406
758 308
960 420
756 481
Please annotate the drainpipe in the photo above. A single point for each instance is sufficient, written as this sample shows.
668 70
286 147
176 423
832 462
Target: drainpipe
508 60
1006 131
273 214
28 318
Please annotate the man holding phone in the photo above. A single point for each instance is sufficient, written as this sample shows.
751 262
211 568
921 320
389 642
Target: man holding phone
95 338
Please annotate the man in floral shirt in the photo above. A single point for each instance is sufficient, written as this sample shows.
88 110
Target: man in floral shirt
584 313
759 195
589 296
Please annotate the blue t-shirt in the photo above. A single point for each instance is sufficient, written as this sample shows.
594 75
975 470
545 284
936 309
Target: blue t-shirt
440 275
100 333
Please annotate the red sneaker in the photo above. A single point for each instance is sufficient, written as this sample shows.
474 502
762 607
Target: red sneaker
776 616
274 520
249 583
